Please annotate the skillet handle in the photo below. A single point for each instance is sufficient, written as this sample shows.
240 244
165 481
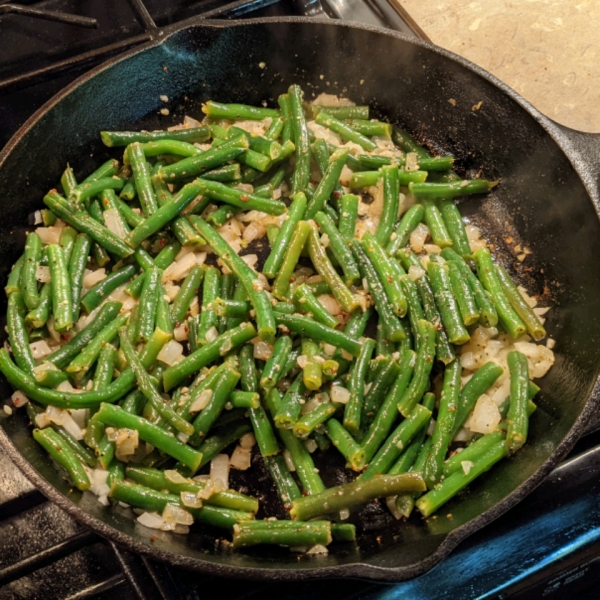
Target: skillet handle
584 151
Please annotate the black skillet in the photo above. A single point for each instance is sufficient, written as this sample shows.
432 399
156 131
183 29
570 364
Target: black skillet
547 201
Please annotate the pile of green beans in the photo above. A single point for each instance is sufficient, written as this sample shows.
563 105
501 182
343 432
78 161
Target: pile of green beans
333 343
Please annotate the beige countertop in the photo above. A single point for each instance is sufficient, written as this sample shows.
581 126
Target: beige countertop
547 50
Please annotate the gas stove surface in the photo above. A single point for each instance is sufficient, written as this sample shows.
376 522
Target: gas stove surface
547 547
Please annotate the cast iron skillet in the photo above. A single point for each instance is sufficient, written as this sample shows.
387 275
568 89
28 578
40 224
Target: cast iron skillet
548 201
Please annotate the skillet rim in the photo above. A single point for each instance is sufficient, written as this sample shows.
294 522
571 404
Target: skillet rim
560 135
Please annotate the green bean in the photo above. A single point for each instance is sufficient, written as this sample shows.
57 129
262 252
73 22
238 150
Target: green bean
17 333
488 315
147 306
124 138
83 454
433 163
345 131
392 326
444 350
86 224
278 249
489 278
322 264
288 533
480 383
411 219
165 214
105 367
370 128
356 387
225 173
442 434
301 174
80 365
378 389
520 306
96 295
37 317
62 356
264 314
219 217
224 437
286 113
290 406
196 165
407 143
312 370
424 363
309 304
388 412
89 189
455 227
387 271
435 223
14 278
391 202
169 146
343 112
147 388
239 198
346 444
290 259
446 303
117 417
463 294
31 258
68 236
451 190
128 192
282 478
187 292
397 441
322 156
275 364
339 248
431 501
518 420
237 112
62 308
353 494
328 183
54 444
348 216
207 354
210 291
32 390
109 201
309 328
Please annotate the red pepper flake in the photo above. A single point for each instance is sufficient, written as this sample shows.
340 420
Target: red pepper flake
153 538
244 198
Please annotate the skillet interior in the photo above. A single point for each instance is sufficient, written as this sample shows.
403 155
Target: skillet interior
541 203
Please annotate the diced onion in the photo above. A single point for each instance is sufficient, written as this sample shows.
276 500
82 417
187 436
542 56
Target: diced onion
339 394
19 399
201 401
171 353
91 278
179 269
418 237
49 235
289 461
113 222
310 445
190 500
485 416
241 459
175 476
466 466
177 515
247 441
42 274
126 443
219 470
181 333
262 350
212 334
318 549
40 349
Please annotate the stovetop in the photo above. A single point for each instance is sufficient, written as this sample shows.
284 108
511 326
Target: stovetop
546 547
